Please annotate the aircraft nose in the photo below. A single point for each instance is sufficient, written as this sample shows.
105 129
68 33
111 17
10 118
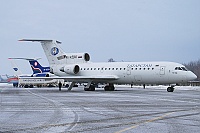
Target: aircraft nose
191 76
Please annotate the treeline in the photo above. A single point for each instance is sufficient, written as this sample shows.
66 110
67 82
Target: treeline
194 66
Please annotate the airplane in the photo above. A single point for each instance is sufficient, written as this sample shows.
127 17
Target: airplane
38 71
8 80
3 80
76 67
37 68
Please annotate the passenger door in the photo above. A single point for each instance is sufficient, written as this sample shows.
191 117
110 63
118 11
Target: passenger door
162 70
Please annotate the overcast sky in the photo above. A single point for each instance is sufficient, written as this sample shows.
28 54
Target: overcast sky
125 30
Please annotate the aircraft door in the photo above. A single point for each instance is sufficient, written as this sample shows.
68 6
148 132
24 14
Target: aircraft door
128 71
102 69
162 70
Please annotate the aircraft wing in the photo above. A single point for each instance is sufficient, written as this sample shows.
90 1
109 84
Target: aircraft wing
98 78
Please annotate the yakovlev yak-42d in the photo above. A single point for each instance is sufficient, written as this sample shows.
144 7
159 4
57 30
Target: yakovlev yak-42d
76 67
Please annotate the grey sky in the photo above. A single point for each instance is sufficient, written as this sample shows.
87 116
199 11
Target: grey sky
128 30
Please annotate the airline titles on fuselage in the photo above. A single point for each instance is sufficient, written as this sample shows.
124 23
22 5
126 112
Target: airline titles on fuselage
139 65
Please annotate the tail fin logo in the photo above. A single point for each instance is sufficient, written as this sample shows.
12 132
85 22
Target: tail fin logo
54 51
35 63
16 69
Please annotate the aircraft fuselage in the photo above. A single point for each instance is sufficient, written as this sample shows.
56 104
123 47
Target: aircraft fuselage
134 72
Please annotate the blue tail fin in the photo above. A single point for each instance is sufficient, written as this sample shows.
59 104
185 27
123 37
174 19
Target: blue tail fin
37 68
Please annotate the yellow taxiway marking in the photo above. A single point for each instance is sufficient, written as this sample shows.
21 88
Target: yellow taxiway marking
147 121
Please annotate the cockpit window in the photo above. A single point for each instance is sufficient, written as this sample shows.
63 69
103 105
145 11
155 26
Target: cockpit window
181 68
178 68
184 69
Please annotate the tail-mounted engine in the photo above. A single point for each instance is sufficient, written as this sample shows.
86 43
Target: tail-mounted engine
70 69
72 58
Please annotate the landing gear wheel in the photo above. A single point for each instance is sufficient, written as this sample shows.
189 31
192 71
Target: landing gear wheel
67 85
31 86
25 86
109 88
170 89
91 88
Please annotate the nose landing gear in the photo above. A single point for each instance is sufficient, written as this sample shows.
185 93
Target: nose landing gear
170 89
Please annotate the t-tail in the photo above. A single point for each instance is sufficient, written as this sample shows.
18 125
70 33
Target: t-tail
51 49
56 55
37 68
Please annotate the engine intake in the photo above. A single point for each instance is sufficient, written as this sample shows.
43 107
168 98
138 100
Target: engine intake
86 57
70 69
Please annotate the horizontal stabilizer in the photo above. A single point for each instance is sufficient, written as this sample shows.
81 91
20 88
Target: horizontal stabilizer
29 59
38 40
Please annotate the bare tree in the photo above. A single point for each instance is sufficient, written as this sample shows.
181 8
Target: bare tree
111 60
194 66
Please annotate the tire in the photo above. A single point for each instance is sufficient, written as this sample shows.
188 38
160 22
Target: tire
109 88
170 89
25 86
31 86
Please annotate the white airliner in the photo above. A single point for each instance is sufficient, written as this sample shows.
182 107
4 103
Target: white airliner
76 67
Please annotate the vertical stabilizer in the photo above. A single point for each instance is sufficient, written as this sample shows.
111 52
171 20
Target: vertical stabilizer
37 67
53 52
56 56
52 49
17 72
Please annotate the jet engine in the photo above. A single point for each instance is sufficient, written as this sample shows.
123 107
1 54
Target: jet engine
72 58
70 69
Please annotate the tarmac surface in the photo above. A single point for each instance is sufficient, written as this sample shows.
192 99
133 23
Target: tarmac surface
126 110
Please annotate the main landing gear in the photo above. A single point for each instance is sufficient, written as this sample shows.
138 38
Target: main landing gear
91 87
109 87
